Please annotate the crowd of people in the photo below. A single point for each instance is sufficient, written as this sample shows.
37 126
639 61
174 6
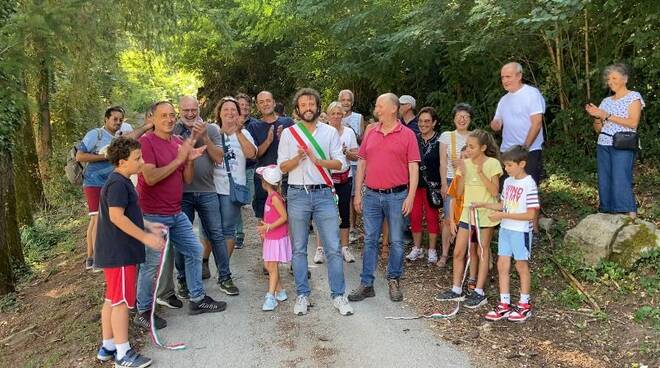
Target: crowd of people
146 186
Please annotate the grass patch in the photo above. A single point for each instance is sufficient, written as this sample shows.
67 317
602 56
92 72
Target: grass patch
648 314
8 303
51 233
570 298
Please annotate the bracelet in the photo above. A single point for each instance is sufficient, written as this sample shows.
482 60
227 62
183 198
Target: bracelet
607 117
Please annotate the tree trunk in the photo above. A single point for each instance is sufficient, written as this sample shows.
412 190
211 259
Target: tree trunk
27 179
32 161
586 54
44 131
8 230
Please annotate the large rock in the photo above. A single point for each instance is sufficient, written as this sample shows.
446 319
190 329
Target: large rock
615 238
594 234
632 242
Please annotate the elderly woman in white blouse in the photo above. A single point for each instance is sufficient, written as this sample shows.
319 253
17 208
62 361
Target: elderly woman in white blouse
619 112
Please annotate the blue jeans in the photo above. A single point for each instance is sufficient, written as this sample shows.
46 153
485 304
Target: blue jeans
377 207
615 184
207 207
301 207
230 214
184 241
249 173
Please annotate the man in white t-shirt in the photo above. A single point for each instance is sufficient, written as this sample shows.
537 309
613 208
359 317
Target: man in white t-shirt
519 116
351 118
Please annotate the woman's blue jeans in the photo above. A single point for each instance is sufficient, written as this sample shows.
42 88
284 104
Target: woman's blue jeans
615 184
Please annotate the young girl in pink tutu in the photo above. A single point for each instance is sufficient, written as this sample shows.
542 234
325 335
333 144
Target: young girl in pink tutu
275 233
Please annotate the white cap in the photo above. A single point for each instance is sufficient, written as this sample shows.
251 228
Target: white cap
271 174
407 99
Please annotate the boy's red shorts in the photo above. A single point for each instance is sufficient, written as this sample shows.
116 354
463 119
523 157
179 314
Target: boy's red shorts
120 284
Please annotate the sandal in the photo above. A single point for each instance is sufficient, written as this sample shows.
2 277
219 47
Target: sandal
442 262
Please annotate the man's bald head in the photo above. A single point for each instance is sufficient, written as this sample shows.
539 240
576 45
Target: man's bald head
188 109
511 76
265 103
387 107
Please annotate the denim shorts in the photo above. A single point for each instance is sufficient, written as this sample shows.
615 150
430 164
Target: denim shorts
516 244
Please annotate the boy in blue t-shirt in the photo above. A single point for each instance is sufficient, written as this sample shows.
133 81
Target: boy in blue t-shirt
120 242
517 209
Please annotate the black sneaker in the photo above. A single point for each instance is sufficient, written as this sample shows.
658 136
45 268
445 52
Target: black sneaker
449 296
172 302
228 287
206 273
238 244
182 290
361 293
206 305
143 320
475 300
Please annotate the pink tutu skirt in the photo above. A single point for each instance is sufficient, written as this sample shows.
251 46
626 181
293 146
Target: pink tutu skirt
277 250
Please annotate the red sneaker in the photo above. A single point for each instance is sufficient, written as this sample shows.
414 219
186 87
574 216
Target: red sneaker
520 313
501 311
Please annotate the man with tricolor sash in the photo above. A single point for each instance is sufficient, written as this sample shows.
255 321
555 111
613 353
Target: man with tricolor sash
307 152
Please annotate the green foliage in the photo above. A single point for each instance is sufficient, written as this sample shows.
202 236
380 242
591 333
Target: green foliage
611 271
8 303
50 234
570 298
648 314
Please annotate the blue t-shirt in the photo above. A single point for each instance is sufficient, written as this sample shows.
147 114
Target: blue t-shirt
250 164
259 131
96 173
412 125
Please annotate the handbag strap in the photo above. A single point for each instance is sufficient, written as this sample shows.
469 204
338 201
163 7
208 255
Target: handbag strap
452 153
224 155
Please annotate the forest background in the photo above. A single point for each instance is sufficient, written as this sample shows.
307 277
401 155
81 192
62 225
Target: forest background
62 62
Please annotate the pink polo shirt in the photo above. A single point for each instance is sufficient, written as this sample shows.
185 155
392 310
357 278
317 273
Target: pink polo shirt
387 156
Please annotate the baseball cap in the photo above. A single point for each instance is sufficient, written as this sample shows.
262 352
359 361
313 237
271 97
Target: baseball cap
271 174
407 99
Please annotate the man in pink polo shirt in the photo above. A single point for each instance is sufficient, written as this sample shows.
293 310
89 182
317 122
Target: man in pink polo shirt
390 155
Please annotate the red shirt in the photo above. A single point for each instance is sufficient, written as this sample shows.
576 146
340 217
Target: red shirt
163 198
387 156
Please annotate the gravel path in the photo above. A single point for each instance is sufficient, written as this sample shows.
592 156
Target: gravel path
245 336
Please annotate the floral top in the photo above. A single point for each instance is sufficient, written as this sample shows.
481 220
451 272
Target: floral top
618 108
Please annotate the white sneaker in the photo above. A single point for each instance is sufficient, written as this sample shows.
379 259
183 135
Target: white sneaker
433 256
415 254
348 256
302 303
341 303
319 257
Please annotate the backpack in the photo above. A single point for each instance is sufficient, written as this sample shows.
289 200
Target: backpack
73 169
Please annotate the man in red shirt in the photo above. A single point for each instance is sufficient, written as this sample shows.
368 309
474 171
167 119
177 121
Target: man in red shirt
168 161
390 156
